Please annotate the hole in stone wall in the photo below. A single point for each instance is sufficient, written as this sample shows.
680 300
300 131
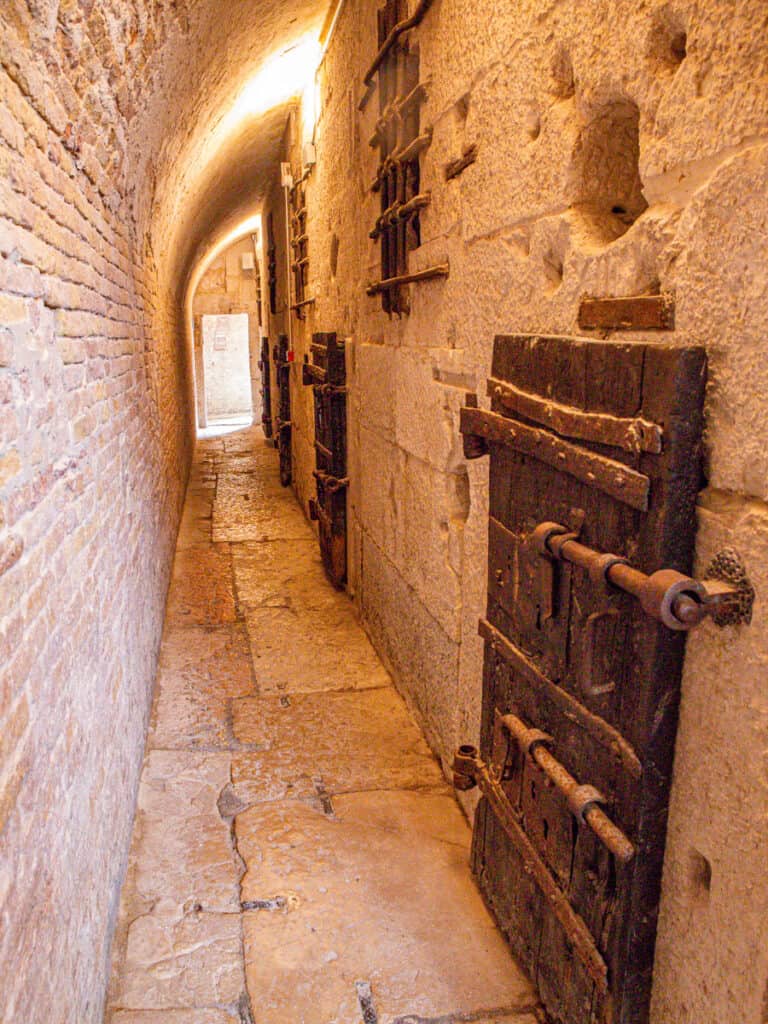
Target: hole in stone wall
563 82
553 271
334 254
667 39
679 47
604 177
699 873
532 124
461 496
462 107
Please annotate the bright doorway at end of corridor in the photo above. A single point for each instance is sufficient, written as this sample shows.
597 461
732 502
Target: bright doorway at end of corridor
227 370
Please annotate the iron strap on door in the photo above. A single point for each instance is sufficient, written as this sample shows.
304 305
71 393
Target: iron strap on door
266 389
327 376
595 453
283 424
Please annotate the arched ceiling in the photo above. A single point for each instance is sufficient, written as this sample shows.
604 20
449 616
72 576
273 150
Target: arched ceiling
209 113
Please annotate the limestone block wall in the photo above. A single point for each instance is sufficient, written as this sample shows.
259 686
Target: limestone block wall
622 148
94 443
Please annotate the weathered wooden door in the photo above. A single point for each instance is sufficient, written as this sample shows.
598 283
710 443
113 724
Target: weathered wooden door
599 441
266 389
283 425
327 374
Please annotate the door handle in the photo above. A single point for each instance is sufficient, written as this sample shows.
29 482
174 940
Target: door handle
680 602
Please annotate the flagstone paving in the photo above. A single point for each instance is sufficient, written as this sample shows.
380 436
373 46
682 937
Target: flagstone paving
298 857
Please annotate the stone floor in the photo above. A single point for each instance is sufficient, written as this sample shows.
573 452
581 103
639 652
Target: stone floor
297 856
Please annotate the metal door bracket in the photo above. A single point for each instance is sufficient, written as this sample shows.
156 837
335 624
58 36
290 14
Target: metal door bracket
728 573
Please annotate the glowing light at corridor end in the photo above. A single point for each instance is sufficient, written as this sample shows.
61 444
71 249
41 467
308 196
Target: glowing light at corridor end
249 226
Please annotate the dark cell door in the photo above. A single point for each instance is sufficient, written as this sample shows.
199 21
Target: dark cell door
283 425
266 389
594 447
327 374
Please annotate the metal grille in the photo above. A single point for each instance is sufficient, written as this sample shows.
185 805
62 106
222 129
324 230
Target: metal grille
299 246
400 141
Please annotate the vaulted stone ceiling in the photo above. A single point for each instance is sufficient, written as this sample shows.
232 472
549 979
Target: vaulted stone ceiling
160 79
206 138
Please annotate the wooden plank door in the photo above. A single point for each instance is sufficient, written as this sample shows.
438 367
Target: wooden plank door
604 439
326 373
266 389
283 425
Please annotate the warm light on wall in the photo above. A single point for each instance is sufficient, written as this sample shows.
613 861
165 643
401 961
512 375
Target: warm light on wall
287 75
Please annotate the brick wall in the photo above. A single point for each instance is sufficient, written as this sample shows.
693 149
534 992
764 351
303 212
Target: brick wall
94 445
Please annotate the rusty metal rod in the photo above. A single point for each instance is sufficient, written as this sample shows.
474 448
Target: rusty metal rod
441 270
395 110
400 211
331 483
403 26
678 601
581 799
402 156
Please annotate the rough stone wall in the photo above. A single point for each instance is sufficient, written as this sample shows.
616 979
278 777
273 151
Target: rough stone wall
661 111
94 443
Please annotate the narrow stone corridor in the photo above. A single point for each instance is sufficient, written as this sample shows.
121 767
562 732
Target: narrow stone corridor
297 857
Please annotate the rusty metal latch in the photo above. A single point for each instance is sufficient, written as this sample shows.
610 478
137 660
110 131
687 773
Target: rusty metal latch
584 801
678 601
331 483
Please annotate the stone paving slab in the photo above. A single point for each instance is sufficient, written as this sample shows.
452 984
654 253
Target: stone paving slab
283 573
297 654
193 532
201 591
205 1016
248 507
329 743
382 893
252 441
250 460
182 852
201 670
176 960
